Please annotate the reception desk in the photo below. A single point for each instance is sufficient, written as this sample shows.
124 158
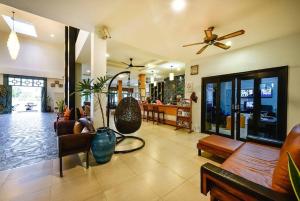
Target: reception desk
170 113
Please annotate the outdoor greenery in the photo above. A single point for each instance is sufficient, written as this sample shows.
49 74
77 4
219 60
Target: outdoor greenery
96 87
60 105
294 176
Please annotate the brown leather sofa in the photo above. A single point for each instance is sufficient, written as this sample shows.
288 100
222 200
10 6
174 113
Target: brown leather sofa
253 172
69 143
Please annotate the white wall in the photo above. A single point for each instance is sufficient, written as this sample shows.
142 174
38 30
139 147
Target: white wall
35 58
275 53
55 93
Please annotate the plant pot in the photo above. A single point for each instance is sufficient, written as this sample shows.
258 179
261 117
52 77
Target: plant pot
103 145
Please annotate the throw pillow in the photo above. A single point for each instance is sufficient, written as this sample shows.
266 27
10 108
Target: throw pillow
67 113
88 124
77 128
85 130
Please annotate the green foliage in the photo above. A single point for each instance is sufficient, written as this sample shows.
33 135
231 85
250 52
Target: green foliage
60 105
294 176
95 87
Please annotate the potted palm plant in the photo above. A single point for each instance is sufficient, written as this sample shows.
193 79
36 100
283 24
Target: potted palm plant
103 144
294 175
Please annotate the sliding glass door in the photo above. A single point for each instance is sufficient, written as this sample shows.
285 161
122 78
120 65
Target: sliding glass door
246 106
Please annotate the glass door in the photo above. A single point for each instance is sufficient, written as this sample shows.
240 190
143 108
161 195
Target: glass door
244 108
218 112
261 107
209 107
226 107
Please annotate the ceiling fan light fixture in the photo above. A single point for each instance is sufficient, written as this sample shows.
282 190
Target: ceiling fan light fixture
228 43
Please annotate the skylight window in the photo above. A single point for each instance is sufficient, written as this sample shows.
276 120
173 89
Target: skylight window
20 27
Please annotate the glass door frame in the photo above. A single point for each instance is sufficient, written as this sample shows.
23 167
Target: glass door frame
218 81
257 75
282 74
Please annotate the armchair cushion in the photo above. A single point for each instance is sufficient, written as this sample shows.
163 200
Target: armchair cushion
281 181
64 127
253 162
77 128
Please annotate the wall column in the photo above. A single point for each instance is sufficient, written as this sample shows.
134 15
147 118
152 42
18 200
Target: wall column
142 86
119 88
98 68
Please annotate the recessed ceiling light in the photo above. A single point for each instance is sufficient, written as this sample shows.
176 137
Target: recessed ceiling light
88 71
107 55
20 27
228 43
178 69
178 5
52 35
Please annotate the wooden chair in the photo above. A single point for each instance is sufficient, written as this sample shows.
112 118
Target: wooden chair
157 112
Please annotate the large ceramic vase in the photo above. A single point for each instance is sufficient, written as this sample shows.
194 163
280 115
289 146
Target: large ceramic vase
103 145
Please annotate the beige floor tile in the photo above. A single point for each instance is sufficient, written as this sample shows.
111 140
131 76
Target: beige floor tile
113 173
161 180
186 192
3 177
77 189
16 187
166 169
41 195
135 189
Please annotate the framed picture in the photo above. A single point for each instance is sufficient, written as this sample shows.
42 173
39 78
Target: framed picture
52 84
56 82
194 69
60 85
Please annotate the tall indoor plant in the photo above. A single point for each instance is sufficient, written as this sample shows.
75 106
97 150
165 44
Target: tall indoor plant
103 144
294 174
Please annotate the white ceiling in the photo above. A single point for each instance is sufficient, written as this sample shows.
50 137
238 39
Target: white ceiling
151 25
44 27
149 29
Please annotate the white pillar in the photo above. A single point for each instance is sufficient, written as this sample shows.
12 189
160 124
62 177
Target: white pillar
98 68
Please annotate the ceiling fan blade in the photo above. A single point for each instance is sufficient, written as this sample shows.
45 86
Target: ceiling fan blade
221 45
125 63
208 33
192 44
234 34
139 66
202 49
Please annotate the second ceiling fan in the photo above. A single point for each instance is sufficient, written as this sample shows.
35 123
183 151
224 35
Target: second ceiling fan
130 65
213 39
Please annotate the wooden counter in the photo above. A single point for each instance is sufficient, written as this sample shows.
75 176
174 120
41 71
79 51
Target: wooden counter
170 113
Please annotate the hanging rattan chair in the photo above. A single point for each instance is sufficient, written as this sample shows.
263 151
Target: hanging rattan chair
128 117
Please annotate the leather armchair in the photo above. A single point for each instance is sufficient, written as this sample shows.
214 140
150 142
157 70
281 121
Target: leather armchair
69 143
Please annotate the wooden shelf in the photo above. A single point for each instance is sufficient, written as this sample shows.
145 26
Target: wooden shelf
184 121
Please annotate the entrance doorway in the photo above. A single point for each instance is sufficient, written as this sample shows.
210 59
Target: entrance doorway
246 106
26 99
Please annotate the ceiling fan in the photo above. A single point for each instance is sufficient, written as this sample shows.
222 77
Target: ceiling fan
130 65
212 39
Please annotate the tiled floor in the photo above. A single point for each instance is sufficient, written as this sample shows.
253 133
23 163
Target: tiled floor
26 138
167 169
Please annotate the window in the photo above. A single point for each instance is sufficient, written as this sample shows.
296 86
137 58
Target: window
26 82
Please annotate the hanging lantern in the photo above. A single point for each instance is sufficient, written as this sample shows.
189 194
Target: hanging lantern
13 44
171 75
152 79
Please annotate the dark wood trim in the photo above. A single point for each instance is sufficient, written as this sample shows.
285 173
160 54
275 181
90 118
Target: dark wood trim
66 65
236 185
256 75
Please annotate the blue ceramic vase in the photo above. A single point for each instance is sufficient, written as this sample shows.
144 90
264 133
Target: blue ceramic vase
103 145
